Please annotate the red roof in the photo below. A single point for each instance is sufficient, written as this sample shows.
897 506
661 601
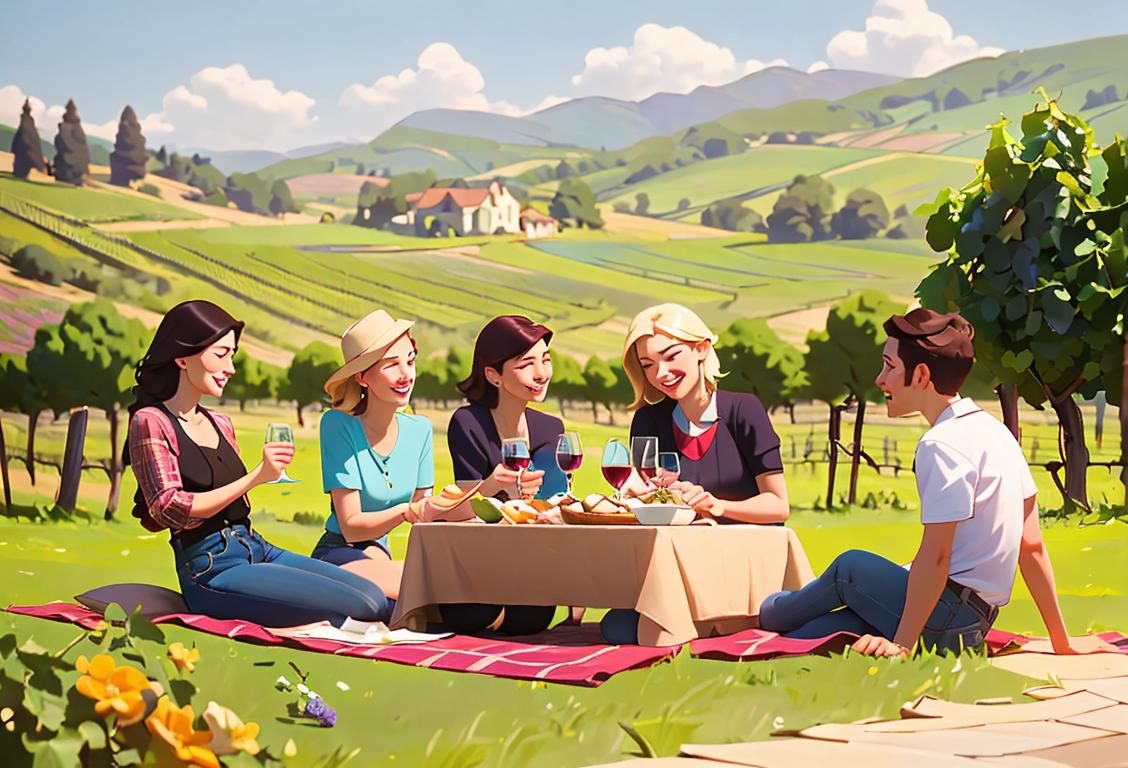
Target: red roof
535 215
463 198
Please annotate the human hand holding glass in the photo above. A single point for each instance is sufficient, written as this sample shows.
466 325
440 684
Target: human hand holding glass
569 455
279 433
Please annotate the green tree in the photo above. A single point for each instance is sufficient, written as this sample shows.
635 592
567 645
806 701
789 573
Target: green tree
642 204
35 262
758 361
575 202
622 393
430 379
599 384
129 158
253 380
847 357
730 214
249 192
564 170
72 154
27 151
458 363
89 359
567 379
802 212
305 380
1038 264
22 394
864 215
281 201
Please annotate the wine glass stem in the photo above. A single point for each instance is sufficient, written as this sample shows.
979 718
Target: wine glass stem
520 473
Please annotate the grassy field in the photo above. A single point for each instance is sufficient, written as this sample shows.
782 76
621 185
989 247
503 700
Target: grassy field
91 204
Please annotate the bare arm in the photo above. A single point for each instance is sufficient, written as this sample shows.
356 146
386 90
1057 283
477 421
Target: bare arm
1034 563
357 525
769 506
927 577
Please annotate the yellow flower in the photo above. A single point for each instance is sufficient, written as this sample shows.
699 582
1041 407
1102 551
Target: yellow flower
229 734
183 658
115 690
871 671
173 726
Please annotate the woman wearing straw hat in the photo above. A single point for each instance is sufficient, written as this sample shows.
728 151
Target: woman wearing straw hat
730 465
376 463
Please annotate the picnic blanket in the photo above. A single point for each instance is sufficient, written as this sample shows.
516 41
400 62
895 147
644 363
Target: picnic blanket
565 654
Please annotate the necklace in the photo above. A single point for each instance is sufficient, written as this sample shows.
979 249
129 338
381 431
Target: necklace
381 462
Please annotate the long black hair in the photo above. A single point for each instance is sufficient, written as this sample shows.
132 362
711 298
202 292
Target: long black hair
186 330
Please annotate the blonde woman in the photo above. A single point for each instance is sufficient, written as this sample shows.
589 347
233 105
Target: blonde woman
731 470
376 462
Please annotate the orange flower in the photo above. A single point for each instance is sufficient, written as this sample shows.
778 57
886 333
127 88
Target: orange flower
183 658
229 733
115 690
173 726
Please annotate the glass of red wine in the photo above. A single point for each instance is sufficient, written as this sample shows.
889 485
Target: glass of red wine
616 464
569 455
644 455
669 469
515 456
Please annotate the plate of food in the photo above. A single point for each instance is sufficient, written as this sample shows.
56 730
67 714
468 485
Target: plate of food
661 507
512 512
596 509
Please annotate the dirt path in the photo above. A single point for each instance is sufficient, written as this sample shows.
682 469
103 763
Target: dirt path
625 223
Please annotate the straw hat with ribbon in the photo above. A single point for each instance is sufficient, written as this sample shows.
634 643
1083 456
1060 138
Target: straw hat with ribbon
363 344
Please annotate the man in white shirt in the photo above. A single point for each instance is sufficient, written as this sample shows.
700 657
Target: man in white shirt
977 509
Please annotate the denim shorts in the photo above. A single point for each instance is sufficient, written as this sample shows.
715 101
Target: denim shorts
334 548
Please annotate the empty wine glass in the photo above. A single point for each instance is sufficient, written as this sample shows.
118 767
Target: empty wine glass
515 456
569 455
280 433
616 464
644 456
669 469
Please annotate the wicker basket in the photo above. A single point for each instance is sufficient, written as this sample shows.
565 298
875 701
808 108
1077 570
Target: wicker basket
597 518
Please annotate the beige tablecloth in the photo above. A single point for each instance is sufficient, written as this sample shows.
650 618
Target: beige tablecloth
686 582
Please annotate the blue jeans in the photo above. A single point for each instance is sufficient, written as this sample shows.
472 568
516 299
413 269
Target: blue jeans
864 593
235 573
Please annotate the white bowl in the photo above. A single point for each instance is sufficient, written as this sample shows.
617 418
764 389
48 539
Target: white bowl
663 514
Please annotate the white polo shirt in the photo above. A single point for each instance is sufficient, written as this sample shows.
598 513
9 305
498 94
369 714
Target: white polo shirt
970 470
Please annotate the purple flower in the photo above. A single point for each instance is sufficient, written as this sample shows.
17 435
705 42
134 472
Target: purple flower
317 708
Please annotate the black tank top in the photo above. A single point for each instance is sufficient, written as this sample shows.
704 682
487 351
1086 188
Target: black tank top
205 469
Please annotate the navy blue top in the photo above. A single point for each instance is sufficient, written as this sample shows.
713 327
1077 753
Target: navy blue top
475 447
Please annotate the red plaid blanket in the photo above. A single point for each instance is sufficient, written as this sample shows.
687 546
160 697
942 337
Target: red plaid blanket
556 662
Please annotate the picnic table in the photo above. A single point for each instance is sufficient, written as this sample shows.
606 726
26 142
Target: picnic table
685 581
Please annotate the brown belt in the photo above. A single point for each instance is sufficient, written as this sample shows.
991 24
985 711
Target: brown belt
983 609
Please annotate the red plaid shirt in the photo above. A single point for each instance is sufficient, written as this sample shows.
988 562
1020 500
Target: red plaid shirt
153 452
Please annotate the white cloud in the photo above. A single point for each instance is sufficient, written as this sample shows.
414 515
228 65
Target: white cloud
12 100
904 38
817 66
225 108
661 59
441 78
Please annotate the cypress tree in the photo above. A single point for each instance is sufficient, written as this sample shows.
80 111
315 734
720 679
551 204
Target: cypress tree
128 160
72 155
26 146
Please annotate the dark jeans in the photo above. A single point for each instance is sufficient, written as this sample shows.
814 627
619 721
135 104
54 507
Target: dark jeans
864 593
235 573
334 548
473 618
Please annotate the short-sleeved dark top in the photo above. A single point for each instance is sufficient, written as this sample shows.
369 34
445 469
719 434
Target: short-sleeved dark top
744 446
475 447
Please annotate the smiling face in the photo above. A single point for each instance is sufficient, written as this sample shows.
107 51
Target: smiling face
393 377
209 371
672 367
901 399
525 377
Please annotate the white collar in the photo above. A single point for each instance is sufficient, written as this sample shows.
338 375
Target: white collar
708 417
961 407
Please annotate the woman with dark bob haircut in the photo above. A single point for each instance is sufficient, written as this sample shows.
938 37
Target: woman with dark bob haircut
191 481
512 369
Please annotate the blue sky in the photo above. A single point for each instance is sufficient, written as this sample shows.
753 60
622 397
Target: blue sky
504 56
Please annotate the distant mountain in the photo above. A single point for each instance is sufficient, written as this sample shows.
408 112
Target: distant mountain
236 160
317 149
614 123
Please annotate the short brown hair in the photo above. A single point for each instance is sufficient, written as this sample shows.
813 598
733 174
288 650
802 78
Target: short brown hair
503 338
940 341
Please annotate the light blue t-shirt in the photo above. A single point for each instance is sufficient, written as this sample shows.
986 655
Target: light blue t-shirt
348 461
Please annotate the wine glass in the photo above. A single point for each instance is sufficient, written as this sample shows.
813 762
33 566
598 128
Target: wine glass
669 469
569 455
644 457
616 464
280 433
515 456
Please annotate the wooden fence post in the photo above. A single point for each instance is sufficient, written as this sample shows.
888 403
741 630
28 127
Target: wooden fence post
72 458
4 471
